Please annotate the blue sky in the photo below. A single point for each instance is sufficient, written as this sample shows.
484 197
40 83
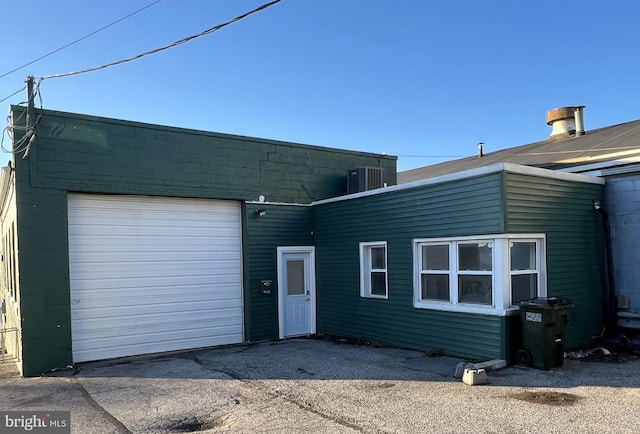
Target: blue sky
405 77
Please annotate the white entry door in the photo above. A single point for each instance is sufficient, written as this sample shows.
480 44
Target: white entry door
296 291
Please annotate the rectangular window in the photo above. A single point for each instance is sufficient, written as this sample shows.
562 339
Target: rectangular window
373 270
524 270
478 274
475 277
435 272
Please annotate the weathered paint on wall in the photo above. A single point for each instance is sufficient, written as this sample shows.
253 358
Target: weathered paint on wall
91 154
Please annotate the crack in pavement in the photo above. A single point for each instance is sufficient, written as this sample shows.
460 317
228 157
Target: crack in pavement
300 404
93 403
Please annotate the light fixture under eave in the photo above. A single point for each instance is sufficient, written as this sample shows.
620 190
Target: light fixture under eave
261 212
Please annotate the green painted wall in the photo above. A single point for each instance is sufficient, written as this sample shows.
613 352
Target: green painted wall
564 211
86 153
466 207
81 153
281 226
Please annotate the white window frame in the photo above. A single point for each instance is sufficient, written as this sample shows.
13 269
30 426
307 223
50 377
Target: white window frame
366 269
501 303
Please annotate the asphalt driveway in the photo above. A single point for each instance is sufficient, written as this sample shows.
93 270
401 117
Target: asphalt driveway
308 385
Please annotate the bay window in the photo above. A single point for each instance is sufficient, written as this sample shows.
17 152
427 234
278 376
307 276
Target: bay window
487 274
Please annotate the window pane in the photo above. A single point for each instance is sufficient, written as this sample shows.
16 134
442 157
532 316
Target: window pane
295 277
377 258
523 255
523 287
474 289
475 256
435 287
435 257
379 283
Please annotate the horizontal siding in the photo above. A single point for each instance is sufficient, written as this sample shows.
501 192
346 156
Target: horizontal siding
281 226
563 210
463 207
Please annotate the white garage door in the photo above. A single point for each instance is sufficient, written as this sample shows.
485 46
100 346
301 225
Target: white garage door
150 274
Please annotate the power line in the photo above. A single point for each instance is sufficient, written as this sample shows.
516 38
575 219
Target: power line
14 93
433 156
80 39
156 50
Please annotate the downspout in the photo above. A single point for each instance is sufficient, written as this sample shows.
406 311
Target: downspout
609 293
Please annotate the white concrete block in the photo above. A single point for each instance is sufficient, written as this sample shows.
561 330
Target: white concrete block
460 367
473 377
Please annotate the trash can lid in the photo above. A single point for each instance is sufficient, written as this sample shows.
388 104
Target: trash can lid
547 301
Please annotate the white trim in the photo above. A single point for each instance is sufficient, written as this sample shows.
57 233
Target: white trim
257 202
365 269
479 171
600 165
610 168
501 273
311 252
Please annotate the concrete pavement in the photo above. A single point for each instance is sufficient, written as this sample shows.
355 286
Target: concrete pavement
308 385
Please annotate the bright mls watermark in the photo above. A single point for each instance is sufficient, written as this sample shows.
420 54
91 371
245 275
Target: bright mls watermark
41 422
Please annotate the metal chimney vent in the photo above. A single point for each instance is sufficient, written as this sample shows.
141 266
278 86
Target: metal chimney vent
365 178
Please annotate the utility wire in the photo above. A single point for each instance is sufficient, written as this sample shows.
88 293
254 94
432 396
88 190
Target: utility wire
80 39
156 50
432 156
14 93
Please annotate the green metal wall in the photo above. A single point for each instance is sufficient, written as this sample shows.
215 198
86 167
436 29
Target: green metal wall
89 154
575 262
281 226
466 207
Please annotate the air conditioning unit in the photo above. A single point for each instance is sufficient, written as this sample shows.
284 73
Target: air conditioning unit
365 178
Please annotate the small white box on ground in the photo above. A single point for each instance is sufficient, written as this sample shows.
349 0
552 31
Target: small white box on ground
473 377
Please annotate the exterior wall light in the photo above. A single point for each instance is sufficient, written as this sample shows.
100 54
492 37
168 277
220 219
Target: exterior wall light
261 212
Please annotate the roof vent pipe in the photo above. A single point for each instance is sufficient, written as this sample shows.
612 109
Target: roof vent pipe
579 120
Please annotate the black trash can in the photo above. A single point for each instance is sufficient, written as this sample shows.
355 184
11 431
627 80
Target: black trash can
544 320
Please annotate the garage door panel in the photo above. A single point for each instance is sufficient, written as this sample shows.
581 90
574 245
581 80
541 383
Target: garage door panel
142 256
196 242
128 306
153 274
159 321
129 346
123 270
157 287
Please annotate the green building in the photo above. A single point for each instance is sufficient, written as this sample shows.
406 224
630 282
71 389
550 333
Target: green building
122 238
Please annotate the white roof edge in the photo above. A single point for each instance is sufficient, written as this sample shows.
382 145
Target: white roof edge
552 174
624 165
479 171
